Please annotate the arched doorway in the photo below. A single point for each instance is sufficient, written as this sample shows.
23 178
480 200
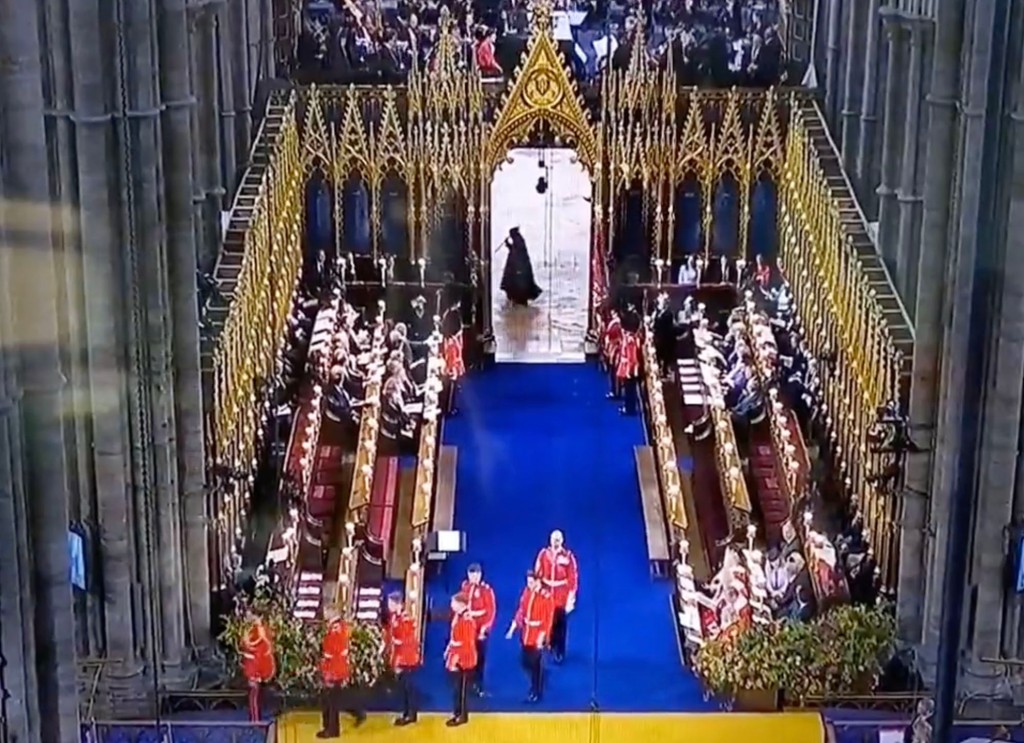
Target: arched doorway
540 275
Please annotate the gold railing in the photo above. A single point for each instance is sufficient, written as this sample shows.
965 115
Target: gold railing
727 454
245 359
664 443
426 474
363 470
426 469
849 319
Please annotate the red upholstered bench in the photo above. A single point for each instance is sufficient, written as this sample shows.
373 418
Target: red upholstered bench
381 516
321 501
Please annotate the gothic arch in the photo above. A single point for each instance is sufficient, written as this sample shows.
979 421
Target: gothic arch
543 92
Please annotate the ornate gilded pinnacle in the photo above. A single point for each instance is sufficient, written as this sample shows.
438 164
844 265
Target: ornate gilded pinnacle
541 16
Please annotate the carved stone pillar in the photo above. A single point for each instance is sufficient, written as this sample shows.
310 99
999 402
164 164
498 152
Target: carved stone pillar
892 134
908 193
853 82
866 147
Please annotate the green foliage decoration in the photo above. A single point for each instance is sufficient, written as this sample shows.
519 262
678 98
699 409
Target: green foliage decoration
839 653
297 643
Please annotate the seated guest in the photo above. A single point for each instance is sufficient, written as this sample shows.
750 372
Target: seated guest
485 59
396 420
689 273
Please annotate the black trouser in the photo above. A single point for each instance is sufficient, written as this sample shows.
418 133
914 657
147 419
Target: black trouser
614 387
407 692
481 659
629 393
559 627
333 700
531 660
460 683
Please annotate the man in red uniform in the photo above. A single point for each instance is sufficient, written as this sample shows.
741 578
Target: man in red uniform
258 662
610 344
556 567
627 370
460 657
335 669
482 608
403 648
533 620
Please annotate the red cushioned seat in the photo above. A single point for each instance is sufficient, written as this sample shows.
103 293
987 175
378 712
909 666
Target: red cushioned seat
321 501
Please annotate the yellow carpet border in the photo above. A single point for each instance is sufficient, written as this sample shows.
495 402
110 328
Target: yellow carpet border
494 727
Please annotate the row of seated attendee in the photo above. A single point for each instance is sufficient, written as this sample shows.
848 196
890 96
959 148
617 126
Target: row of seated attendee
777 332
715 43
350 365
292 361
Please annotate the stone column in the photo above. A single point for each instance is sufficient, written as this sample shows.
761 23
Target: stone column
930 305
866 160
243 87
35 306
177 103
835 14
853 82
908 195
99 171
210 189
17 593
223 46
1000 433
1015 243
892 135
958 309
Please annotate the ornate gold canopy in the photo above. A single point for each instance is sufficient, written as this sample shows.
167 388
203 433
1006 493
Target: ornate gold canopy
543 92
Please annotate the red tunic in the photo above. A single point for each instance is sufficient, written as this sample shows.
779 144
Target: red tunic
451 350
257 648
611 341
763 276
334 661
559 573
628 363
482 605
401 641
460 655
534 617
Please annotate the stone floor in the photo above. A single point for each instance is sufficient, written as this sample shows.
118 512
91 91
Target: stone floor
556 227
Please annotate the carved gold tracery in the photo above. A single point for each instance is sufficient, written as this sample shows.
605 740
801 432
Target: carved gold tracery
543 93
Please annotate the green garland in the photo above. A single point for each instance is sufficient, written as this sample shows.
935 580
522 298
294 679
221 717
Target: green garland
298 643
840 653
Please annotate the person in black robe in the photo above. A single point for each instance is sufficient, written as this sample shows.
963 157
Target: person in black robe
517 280
665 335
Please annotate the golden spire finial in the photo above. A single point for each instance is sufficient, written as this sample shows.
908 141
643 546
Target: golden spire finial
542 16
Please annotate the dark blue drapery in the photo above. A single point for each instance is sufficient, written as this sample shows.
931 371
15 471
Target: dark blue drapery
726 217
319 216
356 217
394 227
764 239
687 237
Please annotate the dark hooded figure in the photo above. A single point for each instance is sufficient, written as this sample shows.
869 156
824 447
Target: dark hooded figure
517 280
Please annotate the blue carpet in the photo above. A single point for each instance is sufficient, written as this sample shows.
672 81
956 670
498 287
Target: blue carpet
540 448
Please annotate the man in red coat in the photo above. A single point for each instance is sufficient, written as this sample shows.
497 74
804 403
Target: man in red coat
336 671
557 568
483 609
533 620
258 662
403 648
611 341
627 370
460 657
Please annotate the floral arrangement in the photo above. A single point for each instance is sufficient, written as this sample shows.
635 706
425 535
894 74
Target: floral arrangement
297 642
841 652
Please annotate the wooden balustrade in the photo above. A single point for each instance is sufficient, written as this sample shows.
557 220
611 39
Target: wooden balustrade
426 470
727 455
663 443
